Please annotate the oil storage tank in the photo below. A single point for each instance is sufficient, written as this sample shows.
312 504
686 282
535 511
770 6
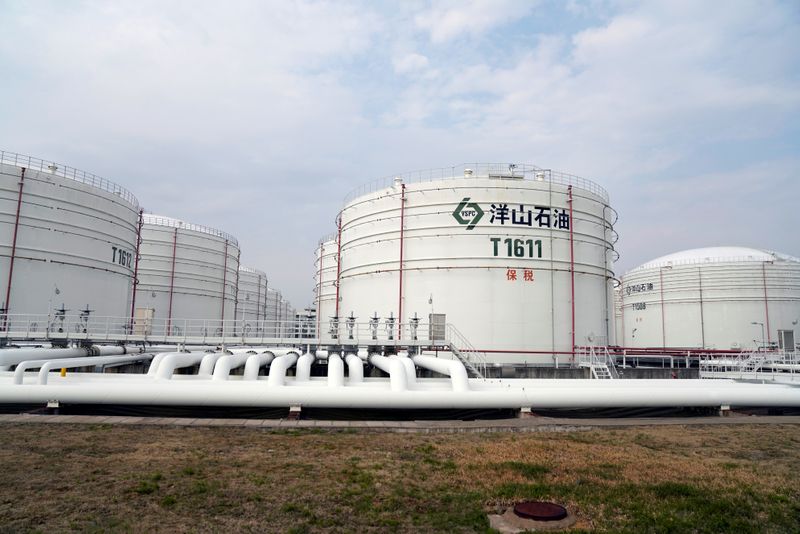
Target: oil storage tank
326 269
67 240
712 298
517 258
251 305
186 271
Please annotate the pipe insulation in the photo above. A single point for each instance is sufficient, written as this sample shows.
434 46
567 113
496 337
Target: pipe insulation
569 393
355 369
398 377
70 363
10 357
228 362
208 362
255 362
278 368
408 365
177 360
303 367
452 368
335 371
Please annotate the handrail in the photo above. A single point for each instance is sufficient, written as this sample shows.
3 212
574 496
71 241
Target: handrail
755 364
251 270
480 170
71 173
472 355
714 260
326 238
161 220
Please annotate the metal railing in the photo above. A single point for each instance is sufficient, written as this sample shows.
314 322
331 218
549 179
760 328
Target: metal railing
465 351
480 170
598 360
71 173
160 220
710 259
251 270
65 328
757 365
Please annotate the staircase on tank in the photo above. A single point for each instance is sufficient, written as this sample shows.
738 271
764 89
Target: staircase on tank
599 361
473 360
472 371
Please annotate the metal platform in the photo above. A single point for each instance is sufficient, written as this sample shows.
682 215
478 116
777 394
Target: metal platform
62 329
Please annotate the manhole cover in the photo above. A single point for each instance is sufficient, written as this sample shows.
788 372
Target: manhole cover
540 511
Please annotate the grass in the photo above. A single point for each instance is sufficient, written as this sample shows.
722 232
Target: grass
661 479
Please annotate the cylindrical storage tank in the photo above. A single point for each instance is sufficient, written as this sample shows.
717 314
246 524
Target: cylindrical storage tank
251 305
326 268
618 335
67 240
273 311
186 271
516 257
712 298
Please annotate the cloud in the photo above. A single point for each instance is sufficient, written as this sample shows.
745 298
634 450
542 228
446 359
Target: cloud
447 20
258 117
410 63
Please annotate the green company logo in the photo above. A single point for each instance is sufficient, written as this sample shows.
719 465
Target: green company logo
468 213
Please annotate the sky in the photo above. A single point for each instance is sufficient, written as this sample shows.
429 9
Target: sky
258 117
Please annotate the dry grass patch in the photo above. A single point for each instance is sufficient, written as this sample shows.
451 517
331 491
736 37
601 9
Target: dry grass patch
101 478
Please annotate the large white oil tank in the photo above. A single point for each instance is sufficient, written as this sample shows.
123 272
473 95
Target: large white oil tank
618 337
280 315
326 265
713 298
67 240
186 271
251 305
516 257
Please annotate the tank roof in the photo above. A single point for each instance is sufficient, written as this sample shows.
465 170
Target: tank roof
71 173
520 171
251 270
717 255
162 220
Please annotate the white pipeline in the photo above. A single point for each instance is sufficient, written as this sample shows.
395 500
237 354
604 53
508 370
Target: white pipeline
278 368
255 362
355 369
398 378
452 368
224 365
176 360
303 367
335 370
45 366
482 394
10 357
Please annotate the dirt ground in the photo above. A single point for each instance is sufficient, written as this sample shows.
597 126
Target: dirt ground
98 478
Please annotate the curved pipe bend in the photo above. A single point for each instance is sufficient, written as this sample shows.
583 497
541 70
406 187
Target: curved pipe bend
452 368
173 361
208 362
335 370
256 362
355 369
408 365
228 362
70 363
303 371
278 368
398 377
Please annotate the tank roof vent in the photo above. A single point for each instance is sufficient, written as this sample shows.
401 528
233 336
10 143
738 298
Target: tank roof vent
467 172
52 167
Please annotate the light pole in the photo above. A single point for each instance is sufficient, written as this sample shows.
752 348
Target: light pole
763 344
